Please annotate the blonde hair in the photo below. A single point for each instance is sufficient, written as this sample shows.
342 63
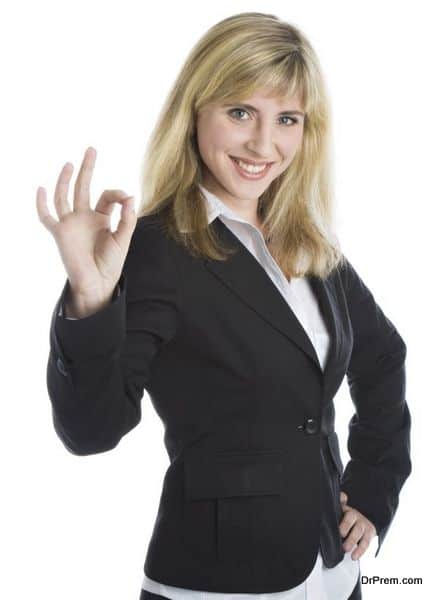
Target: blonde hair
235 58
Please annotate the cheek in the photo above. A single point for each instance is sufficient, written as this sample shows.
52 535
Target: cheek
215 138
291 147
288 150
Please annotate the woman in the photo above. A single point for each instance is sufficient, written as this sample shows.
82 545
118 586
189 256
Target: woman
231 303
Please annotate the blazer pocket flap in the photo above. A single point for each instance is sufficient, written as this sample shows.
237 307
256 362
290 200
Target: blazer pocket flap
228 473
335 451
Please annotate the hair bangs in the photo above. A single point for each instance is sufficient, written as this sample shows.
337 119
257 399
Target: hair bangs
239 79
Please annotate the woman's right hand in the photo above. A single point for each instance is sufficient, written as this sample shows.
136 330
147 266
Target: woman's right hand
92 254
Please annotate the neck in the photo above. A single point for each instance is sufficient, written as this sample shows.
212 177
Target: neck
246 208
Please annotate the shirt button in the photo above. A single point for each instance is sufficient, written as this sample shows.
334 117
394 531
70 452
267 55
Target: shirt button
60 366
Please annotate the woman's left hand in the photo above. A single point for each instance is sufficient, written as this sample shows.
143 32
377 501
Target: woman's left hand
361 529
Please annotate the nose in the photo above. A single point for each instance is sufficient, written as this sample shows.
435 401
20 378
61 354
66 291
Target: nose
262 142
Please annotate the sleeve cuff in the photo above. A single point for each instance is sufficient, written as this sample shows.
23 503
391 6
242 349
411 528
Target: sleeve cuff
61 312
95 335
373 501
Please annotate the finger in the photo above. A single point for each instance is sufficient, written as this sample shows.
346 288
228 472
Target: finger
345 507
60 198
108 198
355 535
43 211
343 497
81 198
349 519
362 546
127 223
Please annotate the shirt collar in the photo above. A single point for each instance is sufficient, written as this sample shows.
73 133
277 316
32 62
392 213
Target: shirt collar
215 207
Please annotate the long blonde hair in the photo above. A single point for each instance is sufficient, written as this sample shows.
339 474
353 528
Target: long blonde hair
233 59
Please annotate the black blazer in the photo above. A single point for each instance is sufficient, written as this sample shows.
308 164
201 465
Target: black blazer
255 471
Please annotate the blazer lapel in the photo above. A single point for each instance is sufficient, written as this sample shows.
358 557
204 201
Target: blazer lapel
245 276
327 299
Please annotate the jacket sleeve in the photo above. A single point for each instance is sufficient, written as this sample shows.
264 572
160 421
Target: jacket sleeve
61 312
379 431
99 365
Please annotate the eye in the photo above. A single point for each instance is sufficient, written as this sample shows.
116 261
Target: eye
234 110
293 120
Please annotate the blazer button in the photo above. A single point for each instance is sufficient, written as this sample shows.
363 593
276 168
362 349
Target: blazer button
60 366
311 426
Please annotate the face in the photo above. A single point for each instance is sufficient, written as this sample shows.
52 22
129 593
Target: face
260 129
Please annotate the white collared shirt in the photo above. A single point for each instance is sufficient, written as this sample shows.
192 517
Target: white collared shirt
322 583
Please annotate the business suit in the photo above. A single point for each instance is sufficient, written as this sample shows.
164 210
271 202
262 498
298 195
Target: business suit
246 410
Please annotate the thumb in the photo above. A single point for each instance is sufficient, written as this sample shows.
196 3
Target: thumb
343 497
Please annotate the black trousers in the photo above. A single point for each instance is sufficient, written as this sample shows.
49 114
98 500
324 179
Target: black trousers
356 593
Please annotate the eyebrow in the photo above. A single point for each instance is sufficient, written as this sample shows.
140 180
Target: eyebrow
250 107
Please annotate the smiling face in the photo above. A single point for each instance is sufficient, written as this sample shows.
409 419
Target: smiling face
261 129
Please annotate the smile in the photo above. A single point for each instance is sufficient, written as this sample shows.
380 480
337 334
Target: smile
249 171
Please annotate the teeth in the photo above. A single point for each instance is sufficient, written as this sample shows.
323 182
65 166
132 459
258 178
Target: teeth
251 168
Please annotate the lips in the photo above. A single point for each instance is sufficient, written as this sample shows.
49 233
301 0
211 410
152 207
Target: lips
249 162
246 174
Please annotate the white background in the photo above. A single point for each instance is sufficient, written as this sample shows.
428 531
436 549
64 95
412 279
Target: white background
81 73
